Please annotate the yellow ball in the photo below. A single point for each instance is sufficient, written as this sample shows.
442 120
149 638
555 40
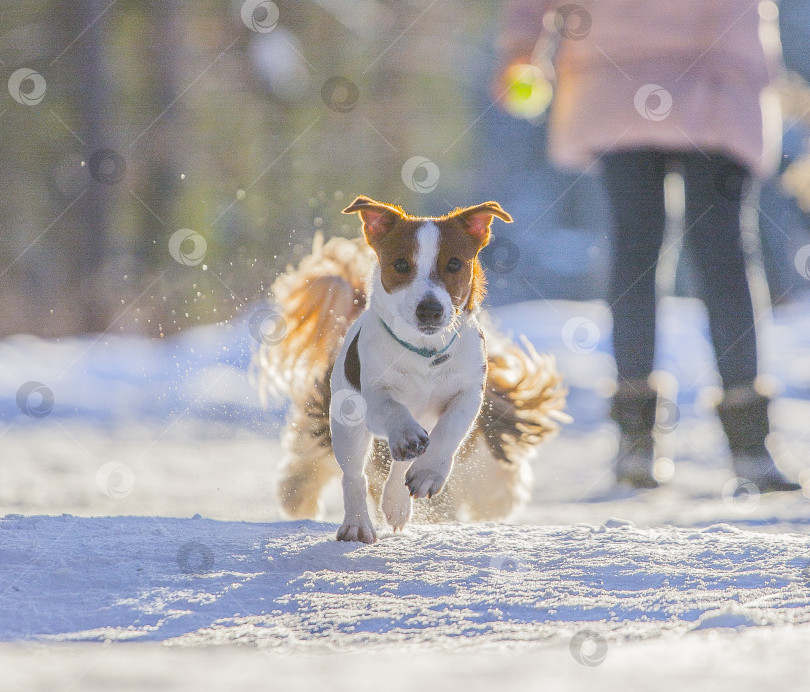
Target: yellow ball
528 92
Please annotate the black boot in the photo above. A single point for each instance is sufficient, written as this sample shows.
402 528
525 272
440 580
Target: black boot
633 409
744 415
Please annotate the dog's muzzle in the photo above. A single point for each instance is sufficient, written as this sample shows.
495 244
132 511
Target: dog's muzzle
429 314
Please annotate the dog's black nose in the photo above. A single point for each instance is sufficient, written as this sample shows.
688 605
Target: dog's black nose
429 311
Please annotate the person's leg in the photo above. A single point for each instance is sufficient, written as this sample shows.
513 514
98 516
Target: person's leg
634 182
714 191
714 188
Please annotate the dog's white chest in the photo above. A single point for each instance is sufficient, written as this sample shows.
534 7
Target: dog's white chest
424 395
413 380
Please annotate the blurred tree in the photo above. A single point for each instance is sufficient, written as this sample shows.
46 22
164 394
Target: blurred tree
160 143
170 114
85 228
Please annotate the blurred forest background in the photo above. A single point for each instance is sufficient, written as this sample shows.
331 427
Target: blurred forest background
254 123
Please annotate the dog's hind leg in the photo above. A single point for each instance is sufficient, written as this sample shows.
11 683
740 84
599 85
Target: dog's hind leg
303 480
491 488
308 460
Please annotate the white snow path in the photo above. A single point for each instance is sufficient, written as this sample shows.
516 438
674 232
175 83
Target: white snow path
120 592
291 585
750 660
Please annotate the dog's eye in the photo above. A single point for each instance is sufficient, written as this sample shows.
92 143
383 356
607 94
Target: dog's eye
453 265
402 266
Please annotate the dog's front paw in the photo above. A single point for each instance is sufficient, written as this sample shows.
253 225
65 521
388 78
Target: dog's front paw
424 482
357 532
408 443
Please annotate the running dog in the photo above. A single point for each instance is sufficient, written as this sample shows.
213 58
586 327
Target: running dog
383 354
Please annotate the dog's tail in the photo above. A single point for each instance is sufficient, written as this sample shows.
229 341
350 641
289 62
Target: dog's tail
524 398
317 301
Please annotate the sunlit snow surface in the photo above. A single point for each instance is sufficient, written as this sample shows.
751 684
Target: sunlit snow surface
585 587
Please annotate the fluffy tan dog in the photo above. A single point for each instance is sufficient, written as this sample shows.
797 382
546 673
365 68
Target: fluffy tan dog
318 302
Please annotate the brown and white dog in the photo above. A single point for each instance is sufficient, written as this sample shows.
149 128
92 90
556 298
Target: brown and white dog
402 367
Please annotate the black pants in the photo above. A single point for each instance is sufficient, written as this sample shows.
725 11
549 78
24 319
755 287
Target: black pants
634 181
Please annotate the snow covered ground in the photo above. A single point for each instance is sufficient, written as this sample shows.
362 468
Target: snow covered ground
141 529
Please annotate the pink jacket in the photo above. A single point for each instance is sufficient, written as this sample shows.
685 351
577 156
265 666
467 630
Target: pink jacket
675 74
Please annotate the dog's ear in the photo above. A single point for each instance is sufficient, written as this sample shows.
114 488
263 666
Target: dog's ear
479 218
376 216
